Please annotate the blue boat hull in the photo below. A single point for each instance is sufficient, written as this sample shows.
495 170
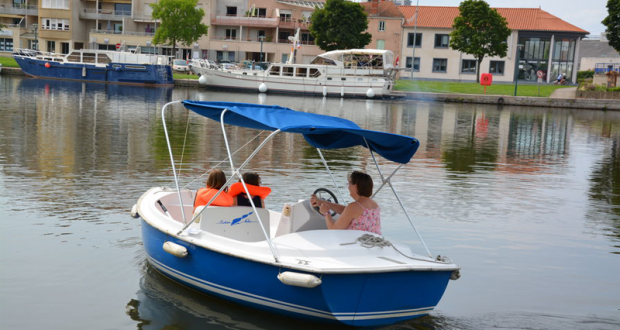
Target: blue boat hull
361 299
119 73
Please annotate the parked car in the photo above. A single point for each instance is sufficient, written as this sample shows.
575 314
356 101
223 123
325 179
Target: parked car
180 65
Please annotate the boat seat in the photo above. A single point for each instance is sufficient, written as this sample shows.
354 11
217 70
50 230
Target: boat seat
236 222
301 217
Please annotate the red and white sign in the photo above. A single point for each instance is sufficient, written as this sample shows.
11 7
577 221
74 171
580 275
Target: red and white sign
118 46
540 73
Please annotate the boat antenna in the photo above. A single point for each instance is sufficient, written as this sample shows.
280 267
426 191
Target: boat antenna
384 181
174 171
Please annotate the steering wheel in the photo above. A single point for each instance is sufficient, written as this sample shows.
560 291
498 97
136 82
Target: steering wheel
325 194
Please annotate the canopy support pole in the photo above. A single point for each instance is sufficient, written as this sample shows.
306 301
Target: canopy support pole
232 167
397 197
331 175
174 171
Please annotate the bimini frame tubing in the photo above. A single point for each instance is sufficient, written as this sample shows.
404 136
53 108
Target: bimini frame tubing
238 173
331 175
174 171
384 181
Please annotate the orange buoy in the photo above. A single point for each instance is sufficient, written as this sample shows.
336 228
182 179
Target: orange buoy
47 65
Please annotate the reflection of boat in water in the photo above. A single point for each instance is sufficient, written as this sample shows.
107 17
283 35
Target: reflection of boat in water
288 262
92 65
350 73
128 92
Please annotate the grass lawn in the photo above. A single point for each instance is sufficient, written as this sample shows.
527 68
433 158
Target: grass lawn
184 76
474 88
8 62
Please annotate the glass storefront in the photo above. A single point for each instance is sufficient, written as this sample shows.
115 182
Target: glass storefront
563 57
533 56
536 55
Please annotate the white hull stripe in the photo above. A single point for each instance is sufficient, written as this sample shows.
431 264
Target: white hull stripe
259 300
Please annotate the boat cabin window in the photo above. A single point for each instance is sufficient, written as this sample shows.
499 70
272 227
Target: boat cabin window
287 71
135 67
274 71
89 57
103 58
73 57
301 72
323 61
315 73
366 61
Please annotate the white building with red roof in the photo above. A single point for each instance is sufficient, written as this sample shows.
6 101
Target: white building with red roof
549 45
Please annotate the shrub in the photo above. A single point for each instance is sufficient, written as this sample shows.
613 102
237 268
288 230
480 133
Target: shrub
585 74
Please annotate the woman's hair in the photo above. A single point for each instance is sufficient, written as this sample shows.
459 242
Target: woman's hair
216 179
363 182
251 178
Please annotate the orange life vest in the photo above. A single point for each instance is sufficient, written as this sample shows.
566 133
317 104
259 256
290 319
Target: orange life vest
204 195
237 188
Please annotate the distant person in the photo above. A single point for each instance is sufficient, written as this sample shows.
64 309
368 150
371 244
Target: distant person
253 182
215 182
363 214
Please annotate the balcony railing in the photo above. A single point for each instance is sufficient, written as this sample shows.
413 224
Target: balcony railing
245 21
19 9
115 15
129 33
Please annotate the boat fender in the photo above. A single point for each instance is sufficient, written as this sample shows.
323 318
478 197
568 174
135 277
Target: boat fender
300 280
175 249
134 211
324 91
456 274
47 65
370 93
202 79
262 88
84 71
342 91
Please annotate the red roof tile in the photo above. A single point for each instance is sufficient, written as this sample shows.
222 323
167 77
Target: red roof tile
532 19
384 9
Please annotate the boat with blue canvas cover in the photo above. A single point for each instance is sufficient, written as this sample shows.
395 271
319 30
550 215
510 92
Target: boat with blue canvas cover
288 262
92 65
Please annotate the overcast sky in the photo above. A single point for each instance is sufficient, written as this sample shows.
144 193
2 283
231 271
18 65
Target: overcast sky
585 14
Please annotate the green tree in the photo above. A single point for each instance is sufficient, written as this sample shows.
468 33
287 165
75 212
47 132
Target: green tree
612 23
340 25
480 31
180 22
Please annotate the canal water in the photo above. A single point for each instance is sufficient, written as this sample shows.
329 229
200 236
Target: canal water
525 200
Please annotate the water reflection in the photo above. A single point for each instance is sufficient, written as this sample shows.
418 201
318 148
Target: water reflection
515 195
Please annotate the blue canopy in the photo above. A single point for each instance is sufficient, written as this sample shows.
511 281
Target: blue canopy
325 132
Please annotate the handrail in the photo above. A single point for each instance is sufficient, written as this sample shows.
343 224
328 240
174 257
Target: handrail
174 171
232 166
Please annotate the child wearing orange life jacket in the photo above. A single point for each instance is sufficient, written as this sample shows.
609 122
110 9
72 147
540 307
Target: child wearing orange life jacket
215 182
252 181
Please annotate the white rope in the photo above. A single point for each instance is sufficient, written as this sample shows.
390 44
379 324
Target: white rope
370 241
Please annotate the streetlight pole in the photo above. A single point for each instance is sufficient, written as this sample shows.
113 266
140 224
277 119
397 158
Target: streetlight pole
415 27
261 47
519 46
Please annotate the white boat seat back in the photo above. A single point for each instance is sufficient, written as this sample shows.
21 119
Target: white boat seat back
171 202
302 217
236 222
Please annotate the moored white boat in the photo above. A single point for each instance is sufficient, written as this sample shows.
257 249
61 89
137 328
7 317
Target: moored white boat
91 65
345 73
288 262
